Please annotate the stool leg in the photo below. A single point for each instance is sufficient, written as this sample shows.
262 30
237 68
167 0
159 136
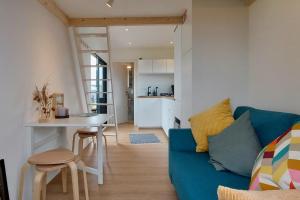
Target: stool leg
64 173
44 187
74 174
37 185
24 169
86 191
73 142
80 147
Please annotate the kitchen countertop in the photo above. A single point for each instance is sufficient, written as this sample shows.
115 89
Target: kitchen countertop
158 97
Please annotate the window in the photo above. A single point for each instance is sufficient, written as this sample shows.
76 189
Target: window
98 85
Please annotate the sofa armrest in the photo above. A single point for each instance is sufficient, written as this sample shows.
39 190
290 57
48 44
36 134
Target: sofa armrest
181 140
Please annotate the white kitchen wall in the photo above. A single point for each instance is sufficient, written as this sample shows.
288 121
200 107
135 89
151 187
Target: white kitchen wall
34 49
162 81
220 52
275 55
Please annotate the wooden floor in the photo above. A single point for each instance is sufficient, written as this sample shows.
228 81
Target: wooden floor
133 172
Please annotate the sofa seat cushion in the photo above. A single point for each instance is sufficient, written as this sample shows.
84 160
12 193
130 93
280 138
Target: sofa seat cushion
195 179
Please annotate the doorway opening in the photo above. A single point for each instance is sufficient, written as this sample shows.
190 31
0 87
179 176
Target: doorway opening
123 73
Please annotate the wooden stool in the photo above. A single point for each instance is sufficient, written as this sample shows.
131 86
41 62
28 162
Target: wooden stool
57 159
87 133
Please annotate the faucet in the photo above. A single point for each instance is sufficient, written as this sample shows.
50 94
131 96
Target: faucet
149 91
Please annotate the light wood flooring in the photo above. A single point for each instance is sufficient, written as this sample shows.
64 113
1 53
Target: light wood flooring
133 172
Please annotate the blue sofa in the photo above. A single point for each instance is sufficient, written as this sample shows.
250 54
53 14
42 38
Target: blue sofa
191 174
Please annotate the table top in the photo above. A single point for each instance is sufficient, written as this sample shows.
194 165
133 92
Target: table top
73 121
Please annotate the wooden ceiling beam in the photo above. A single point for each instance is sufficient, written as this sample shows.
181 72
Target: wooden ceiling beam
249 2
115 21
125 21
55 10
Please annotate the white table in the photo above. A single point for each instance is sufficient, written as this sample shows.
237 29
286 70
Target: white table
51 134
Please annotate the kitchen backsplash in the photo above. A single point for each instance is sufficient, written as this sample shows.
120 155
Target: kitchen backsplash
162 81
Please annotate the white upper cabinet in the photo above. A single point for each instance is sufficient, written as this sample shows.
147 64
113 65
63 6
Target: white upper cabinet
157 66
170 65
145 66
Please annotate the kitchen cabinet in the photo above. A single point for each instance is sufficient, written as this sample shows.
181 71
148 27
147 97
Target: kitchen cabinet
149 112
159 66
156 66
155 112
145 66
170 65
168 114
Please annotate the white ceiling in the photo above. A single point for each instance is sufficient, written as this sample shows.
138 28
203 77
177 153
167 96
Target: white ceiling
138 37
122 8
141 36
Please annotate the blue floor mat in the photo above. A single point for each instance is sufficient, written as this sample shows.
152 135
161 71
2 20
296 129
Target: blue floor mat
143 138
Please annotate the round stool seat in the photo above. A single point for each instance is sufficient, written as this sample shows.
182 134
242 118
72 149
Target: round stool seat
50 168
52 157
93 130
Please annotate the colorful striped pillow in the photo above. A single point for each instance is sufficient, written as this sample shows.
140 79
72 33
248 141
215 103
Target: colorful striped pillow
278 164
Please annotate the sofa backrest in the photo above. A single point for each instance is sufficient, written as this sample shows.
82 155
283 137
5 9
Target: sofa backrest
268 125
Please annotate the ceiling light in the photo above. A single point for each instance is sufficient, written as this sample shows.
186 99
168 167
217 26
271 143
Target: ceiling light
109 3
128 66
126 29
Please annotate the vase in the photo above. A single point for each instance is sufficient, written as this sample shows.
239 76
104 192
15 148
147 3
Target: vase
45 113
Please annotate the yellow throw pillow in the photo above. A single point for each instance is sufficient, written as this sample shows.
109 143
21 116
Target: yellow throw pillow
210 122
225 193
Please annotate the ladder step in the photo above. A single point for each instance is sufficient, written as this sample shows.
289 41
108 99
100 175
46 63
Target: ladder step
110 116
94 51
96 79
100 104
92 35
94 92
97 66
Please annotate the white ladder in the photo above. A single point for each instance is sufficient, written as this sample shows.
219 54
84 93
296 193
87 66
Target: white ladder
86 39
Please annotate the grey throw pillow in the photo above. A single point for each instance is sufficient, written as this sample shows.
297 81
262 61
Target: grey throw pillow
235 148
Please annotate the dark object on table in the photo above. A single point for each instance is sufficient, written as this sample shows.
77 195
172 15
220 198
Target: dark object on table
62 113
4 195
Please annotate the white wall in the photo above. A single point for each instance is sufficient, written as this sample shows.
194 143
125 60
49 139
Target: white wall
34 49
183 68
275 55
220 52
